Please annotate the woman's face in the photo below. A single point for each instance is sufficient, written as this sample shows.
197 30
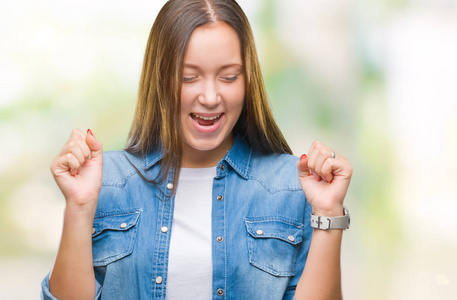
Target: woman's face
212 94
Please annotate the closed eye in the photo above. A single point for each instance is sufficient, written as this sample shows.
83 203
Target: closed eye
232 78
189 79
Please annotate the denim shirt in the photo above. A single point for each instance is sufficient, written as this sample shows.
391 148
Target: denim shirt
260 227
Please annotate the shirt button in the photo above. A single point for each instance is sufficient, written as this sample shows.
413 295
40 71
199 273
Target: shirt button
220 197
164 229
291 238
220 292
123 225
222 168
219 239
93 230
170 186
159 279
259 232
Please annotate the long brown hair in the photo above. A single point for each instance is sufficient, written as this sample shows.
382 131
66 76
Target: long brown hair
155 125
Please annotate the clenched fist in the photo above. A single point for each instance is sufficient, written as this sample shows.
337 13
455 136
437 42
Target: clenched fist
78 170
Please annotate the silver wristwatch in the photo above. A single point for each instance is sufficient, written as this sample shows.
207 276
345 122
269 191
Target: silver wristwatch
326 223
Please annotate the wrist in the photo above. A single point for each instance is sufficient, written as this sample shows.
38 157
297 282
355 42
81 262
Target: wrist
336 211
76 213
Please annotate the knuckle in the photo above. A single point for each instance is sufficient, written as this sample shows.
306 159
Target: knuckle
72 143
77 135
322 150
69 156
317 143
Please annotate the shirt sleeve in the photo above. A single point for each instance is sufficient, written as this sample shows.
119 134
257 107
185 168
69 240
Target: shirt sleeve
46 294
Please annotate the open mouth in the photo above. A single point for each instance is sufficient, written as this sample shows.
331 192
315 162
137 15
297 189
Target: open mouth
205 120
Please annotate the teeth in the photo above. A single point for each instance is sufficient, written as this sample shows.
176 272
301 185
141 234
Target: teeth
207 118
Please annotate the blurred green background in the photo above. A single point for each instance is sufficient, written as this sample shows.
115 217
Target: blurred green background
373 79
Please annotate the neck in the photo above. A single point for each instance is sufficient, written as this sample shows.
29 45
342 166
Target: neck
194 158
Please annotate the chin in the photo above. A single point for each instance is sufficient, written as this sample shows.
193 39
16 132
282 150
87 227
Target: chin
205 144
217 143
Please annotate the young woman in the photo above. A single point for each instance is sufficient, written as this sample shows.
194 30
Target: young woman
206 201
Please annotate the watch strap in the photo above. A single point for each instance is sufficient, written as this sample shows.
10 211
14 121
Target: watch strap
325 223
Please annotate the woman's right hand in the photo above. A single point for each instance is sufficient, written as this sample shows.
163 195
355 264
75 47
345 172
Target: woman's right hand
78 176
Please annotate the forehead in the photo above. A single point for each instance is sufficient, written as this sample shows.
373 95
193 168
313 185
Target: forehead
213 45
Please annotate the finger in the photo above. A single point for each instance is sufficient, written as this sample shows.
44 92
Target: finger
327 168
80 138
313 153
302 167
96 149
311 158
323 154
84 148
74 147
76 133
68 162
75 136
317 177
341 168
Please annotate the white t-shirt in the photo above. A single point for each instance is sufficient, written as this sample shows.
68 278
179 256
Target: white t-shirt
190 258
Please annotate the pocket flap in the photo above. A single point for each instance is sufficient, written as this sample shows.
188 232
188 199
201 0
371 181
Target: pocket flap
279 228
115 222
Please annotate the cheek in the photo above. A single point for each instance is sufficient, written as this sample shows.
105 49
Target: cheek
235 95
240 95
186 98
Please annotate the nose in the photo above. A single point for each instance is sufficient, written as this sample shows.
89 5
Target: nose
210 96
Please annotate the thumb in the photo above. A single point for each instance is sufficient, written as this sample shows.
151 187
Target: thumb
94 146
302 167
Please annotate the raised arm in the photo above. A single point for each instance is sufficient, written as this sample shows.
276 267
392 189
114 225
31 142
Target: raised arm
324 177
78 173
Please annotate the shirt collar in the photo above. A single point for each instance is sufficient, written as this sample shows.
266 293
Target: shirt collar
239 158
147 161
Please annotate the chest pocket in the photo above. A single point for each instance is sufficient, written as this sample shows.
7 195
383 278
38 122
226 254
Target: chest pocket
273 244
113 236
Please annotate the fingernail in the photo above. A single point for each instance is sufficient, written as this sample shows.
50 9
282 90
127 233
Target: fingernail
303 156
90 132
319 179
330 181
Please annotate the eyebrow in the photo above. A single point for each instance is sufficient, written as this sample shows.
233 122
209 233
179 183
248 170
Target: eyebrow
191 66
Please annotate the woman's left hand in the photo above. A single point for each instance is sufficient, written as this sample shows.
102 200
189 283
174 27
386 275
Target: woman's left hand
324 180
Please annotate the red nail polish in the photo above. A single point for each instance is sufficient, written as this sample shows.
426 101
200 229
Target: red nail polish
303 156
330 181
90 132
319 179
